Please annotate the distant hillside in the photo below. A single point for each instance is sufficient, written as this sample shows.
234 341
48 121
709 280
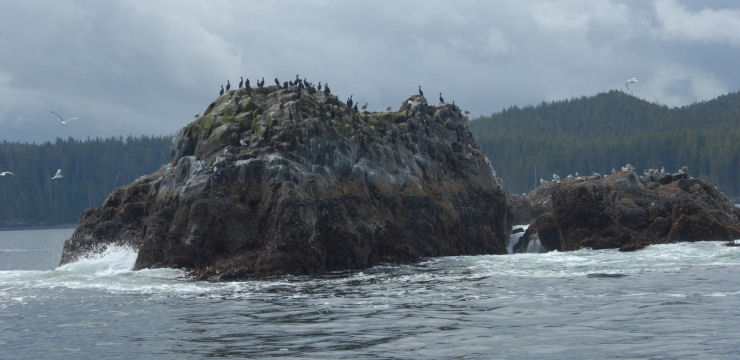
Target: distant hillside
91 169
598 133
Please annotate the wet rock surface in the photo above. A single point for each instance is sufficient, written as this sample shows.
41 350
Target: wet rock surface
627 211
276 181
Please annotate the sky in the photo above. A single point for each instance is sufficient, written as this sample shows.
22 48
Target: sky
144 67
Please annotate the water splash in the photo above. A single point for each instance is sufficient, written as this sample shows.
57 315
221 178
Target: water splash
114 260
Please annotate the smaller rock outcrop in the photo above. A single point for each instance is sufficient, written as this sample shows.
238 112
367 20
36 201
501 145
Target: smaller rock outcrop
625 211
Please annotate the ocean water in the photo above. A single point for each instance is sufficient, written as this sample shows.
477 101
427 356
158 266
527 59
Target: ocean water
678 301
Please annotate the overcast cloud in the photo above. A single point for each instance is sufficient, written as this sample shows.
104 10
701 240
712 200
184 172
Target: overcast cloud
144 67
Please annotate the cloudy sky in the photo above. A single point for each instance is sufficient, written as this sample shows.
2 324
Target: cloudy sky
135 67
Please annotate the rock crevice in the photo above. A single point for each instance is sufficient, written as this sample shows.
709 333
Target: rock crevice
270 182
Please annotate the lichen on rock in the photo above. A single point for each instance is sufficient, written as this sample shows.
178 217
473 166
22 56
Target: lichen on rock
269 182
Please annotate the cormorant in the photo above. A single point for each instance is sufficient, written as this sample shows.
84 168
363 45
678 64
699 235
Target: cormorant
246 84
228 86
421 93
326 89
349 101
285 84
319 87
441 99
355 107
241 82
261 83
222 90
277 82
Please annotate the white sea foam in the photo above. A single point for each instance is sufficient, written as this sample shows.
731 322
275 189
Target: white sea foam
114 260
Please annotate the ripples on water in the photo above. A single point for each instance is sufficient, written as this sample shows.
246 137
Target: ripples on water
668 301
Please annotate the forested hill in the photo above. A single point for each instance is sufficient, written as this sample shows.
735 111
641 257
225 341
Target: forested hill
91 170
606 131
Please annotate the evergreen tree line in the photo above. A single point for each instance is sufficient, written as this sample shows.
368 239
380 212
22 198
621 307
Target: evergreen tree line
609 130
92 169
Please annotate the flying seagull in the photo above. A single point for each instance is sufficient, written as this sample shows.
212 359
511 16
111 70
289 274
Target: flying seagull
58 175
630 81
6 173
63 120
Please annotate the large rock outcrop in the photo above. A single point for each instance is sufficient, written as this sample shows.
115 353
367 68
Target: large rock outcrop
277 181
626 211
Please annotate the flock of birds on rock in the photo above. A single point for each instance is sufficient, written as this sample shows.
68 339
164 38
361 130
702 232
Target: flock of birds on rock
303 84
649 173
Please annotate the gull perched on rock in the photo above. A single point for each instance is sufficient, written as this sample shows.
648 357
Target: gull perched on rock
6 173
62 119
58 175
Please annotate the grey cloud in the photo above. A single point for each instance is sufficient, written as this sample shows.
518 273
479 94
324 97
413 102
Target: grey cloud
144 67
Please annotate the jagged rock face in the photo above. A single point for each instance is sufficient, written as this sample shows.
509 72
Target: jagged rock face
271 182
629 212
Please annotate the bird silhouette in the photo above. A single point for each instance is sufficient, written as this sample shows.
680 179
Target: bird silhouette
421 93
62 119
58 175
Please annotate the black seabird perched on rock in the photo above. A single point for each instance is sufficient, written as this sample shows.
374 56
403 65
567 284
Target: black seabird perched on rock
241 82
421 93
222 90
326 89
349 101
441 99
285 84
277 82
246 84
228 86
319 87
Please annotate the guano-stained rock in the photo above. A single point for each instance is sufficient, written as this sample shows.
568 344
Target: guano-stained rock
270 182
628 212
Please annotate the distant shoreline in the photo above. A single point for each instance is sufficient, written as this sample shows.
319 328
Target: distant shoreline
37 227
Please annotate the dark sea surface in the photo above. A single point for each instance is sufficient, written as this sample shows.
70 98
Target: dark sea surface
679 301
